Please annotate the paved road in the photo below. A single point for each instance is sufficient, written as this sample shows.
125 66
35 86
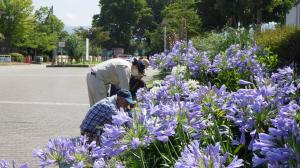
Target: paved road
38 103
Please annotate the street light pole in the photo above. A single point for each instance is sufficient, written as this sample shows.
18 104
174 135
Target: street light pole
54 51
164 23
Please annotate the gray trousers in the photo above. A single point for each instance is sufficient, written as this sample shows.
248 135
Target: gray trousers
97 90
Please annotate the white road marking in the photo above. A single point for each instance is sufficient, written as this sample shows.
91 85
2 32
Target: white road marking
43 103
47 75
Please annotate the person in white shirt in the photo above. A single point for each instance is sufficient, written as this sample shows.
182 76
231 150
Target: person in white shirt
115 71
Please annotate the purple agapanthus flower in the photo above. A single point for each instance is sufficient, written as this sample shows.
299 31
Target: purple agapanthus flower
100 163
197 62
193 156
277 147
4 164
243 82
135 143
63 151
121 118
78 165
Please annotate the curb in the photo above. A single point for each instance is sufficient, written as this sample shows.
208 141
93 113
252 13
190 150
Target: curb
9 64
68 66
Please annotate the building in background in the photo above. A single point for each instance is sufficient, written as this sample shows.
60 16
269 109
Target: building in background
293 16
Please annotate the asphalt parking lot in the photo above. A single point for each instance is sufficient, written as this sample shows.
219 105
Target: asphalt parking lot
39 103
36 104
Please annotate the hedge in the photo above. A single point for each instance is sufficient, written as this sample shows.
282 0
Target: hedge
285 42
17 57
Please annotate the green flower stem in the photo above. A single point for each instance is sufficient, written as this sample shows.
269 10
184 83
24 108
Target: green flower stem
173 149
142 157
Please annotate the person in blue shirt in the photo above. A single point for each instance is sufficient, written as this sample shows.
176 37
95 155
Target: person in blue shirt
101 113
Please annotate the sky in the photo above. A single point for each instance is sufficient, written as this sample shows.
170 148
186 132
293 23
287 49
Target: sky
72 12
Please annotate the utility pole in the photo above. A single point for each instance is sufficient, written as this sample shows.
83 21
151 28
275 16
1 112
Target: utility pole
87 49
164 24
54 51
165 39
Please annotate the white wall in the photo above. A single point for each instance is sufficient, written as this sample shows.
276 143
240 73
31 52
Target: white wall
293 17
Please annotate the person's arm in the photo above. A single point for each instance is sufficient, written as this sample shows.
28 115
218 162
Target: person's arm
124 73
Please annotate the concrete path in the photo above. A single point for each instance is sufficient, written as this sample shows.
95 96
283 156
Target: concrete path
38 103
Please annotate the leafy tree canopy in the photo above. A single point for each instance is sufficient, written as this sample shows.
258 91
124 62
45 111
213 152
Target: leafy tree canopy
16 20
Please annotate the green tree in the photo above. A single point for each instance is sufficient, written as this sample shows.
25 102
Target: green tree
17 21
96 36
157 7
50 27
75 47
153 32
47 32
210 15
182 19
274 10
217 13
156 41
119 18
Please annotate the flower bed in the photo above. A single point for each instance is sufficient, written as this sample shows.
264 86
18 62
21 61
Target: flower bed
228 111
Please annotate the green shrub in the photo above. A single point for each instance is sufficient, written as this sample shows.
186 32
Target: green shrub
285 42
268 59
46 58
17 57
216 42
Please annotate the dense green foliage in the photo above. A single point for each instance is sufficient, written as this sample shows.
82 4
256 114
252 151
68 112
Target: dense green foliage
141 23
181 18
16 57
119 18
16 21
28 31
217 13
75 46
284 41
47 31
215 42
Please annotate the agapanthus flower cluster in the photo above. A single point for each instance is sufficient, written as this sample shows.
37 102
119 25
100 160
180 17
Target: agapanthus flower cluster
201 107
67 152
157 60
168 60
198 62
280 146
160 121
242 59
285 85
5 164
253 109
111 138
193 157
165 91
